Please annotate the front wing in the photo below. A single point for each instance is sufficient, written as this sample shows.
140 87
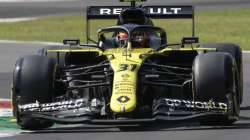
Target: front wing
79 111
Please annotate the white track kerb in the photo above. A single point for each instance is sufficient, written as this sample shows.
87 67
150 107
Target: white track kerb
12 20
29 42
20 19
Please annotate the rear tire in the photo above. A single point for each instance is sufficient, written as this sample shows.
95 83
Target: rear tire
33 80
214 79
59 57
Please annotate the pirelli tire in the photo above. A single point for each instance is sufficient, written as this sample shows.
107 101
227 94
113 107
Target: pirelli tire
59 57
33 79
214 76
236 52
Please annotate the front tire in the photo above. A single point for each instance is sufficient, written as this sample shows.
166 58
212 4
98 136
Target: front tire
236 52
214 79
33 80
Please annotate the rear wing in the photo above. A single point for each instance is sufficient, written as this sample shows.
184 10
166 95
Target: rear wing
164 12
154 12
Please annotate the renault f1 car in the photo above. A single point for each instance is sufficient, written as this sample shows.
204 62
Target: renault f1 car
130 75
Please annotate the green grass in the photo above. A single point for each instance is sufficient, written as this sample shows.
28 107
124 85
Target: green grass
211 26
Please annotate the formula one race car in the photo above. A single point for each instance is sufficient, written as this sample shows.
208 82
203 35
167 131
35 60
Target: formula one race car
130 75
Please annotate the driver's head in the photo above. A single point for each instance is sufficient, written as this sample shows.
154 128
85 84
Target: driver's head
140 40
122 39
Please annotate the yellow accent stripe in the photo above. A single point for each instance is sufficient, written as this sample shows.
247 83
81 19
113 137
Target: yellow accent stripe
77 50
188 49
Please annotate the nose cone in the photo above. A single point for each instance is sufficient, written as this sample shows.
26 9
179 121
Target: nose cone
126 64
124 92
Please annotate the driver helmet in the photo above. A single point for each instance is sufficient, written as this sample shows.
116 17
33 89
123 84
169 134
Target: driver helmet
140 40
122 39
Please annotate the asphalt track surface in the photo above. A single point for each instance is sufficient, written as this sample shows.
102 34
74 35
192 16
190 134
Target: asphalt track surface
37 9
9 52
188 131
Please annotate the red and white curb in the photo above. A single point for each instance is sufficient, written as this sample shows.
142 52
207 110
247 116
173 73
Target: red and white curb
6 111
5 108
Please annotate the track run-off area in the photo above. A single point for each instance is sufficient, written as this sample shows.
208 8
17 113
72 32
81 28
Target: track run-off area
10 51
18 10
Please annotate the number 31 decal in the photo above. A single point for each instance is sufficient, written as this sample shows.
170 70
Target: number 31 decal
130 67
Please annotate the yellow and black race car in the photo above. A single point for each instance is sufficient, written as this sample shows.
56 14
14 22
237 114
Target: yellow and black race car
130 75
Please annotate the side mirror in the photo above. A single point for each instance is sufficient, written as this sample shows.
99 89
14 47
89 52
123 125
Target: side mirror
71 42
189 40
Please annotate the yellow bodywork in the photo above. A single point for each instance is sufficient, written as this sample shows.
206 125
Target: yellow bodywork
126 63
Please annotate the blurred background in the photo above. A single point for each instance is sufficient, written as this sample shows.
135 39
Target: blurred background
54 20
26 25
